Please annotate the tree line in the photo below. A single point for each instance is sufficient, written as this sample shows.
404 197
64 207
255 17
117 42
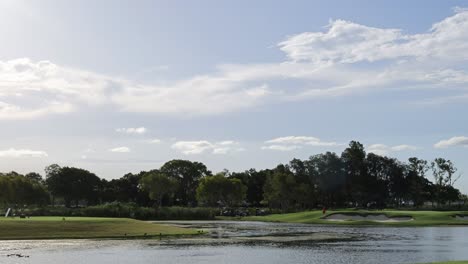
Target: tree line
353 179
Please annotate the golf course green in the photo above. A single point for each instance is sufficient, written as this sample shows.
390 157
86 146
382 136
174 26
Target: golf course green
85 227
395 218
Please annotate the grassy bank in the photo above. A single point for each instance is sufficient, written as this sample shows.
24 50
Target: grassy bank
420 218
84 227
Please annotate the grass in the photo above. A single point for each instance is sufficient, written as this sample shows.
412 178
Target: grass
421 218
84 227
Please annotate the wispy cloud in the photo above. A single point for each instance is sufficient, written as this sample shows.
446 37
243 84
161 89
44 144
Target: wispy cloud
132 130
296 142
155 141
382 149
282 147
452 142
204 146
21 153
120 149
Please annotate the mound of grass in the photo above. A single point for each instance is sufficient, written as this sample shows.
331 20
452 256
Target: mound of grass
421 218
84 227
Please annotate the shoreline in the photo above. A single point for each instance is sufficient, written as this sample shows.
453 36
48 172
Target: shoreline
389 218
55 228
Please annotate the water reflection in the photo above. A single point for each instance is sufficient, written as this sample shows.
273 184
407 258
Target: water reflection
253 242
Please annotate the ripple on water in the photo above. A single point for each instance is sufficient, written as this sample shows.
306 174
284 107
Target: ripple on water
256 243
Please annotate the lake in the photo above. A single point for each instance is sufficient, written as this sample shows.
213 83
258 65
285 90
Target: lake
255 242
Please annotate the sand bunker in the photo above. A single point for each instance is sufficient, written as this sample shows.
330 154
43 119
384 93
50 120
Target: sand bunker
370 217
461 217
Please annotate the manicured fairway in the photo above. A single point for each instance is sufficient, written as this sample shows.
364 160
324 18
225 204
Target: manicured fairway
420 218
84 227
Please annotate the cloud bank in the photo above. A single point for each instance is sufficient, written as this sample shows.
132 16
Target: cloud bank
21 153
452 142
344 58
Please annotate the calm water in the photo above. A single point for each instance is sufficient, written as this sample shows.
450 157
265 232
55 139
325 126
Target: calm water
250 242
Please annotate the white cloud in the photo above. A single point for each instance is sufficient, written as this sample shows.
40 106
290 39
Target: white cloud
16 112
132 130
203 146
21 153
452 142
346 57
281 147
301 140
120 150
348 42
295 142
382 149
46 88
155 141
192 147
333 45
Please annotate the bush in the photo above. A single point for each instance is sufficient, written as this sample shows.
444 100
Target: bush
127 210
185 213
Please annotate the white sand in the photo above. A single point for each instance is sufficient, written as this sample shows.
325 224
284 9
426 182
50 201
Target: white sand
461 217
371 217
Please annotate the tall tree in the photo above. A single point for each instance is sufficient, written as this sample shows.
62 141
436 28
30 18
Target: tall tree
254 180
219 190
280 189
188 174
34 176
443 171
418 185
354 158
73 185
18 189
158 185
328 173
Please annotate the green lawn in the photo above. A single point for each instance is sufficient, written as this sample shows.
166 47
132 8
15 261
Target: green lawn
421 218
84 227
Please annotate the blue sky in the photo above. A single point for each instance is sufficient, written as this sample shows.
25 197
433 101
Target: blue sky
123 86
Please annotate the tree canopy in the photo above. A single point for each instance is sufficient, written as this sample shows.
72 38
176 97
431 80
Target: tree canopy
353 179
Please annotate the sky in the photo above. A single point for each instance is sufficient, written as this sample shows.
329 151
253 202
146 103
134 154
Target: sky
124 86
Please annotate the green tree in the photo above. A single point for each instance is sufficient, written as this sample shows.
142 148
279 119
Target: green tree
18 189
73 185
127 189
327 170
279 189
354 158
34 176
443 171
158 185
220 190
254 180
188 174
306 189
418 185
